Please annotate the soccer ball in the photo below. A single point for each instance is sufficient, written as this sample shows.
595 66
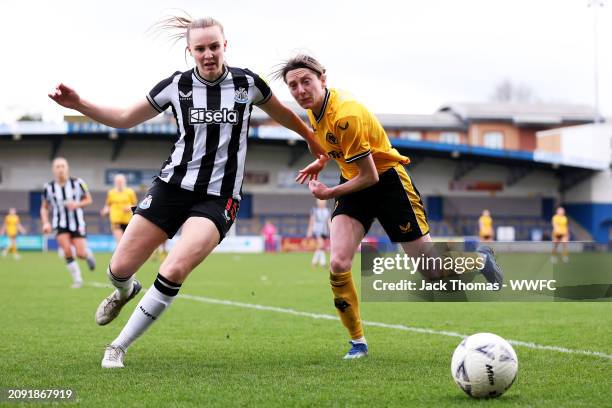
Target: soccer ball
484 365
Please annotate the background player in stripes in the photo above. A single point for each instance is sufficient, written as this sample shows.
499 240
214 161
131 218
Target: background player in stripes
119 202
66 197
11 227
199 185
374 184
319 225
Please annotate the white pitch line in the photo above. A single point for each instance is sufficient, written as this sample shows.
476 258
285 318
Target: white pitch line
401 327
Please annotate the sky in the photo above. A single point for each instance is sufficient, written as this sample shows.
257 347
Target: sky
395 56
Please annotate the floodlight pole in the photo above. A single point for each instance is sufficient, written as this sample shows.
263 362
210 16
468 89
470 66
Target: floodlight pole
596 4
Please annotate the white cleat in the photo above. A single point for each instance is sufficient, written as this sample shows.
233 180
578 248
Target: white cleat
113 357
111 306
77 285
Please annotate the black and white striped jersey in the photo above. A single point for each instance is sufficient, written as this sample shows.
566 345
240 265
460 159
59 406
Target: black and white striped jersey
320 220
57 195
213 125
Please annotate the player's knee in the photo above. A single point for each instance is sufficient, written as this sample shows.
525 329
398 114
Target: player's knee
340 263
175 271
82 254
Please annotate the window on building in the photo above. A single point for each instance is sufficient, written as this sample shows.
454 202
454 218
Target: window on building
450 137
493 140
410 135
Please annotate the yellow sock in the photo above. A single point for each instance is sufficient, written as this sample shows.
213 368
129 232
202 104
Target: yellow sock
13 249
347 302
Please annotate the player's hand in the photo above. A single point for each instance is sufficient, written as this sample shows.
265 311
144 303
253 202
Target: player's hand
320 190
65 96
311 172
46 228
72 205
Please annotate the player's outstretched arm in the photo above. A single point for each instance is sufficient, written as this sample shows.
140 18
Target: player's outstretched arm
121 118
287 118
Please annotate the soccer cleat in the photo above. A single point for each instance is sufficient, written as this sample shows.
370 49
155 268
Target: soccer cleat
113 357
358 350
91 263
565 259
111 306
491 271
77 285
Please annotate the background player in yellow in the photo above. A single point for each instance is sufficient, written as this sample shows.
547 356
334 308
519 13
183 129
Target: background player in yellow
373 184
11 227
119 203
485 226
560 235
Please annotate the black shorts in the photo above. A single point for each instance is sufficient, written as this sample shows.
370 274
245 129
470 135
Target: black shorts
81 233
116 225
168 206
394 201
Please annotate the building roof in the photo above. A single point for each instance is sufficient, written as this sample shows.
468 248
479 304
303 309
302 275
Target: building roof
522 113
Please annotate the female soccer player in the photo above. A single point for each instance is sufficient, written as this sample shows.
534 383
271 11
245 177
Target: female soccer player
199 185
12 226
66 197
485 226
560 235
374 184
318 227
119 203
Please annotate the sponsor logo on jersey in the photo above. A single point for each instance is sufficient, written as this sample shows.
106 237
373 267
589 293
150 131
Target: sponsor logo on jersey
146 203
334 154
185 96
241 95
198 116
331 138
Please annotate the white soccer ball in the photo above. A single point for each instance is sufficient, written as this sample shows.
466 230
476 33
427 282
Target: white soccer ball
484 365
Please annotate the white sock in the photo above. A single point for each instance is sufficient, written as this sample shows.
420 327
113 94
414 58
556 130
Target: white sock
75 271
361 340
323 260
315 257
124 285
149 309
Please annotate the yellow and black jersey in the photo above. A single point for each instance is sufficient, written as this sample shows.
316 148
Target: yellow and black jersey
485 223
348 132
559 223
119 204
11 225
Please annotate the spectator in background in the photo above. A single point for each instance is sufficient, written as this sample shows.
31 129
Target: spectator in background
269 233
485 226
11 227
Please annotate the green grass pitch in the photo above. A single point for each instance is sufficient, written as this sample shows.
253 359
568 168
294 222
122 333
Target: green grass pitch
207 354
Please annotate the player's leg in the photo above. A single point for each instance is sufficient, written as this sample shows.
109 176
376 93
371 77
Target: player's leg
321 249
346 235
141 238
13 246
199 237
83 251
564 251
555 246
117 232
64 241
